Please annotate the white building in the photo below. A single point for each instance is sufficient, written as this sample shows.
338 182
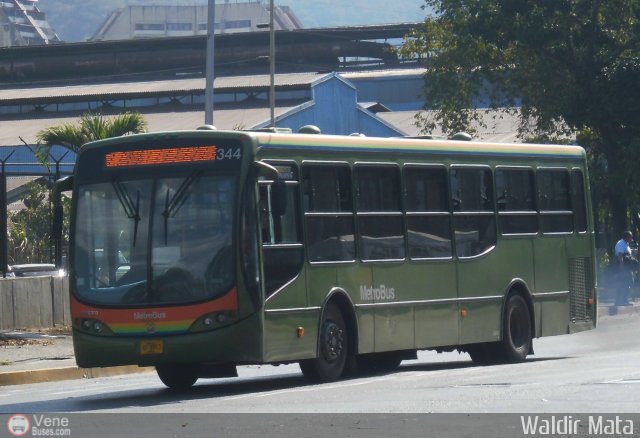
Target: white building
23 24
159 21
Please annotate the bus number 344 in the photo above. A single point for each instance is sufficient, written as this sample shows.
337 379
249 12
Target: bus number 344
228 154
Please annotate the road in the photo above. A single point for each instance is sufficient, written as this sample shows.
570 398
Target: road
596 371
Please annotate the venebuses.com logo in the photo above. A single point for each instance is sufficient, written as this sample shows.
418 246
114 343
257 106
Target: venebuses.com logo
39 425
18 425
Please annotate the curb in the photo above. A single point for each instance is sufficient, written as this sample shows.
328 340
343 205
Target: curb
66 373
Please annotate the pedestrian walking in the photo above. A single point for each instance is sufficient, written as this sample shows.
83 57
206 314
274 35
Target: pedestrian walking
625 266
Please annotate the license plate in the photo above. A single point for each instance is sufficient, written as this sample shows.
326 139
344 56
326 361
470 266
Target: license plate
151 347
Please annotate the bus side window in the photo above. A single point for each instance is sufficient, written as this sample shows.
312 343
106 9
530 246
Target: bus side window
328 211
554 199
281 244
474 221
427 206
516 201
380 218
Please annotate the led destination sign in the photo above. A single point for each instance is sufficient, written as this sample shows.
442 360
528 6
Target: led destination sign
149 157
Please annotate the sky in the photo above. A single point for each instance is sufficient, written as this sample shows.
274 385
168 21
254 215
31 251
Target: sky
328 13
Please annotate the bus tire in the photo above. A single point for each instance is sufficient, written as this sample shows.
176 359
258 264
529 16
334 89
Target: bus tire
177 377
333 348
516 336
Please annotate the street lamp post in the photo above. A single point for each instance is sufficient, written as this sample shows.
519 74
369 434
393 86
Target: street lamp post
211 24
272 64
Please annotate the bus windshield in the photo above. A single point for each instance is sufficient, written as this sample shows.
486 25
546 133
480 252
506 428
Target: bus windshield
154 241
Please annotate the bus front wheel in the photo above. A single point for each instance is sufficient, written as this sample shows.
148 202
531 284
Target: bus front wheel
177 377
333 348
516 337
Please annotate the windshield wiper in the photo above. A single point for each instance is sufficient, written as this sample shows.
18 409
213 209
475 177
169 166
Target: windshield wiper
132 211
173 204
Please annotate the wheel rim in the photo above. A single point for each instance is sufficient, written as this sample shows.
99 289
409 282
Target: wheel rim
333 344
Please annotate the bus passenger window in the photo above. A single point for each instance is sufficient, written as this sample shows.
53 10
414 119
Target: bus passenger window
554 200
328 212
380 222
516 201
427 207
474 219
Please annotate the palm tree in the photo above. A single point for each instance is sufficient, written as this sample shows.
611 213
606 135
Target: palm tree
90 128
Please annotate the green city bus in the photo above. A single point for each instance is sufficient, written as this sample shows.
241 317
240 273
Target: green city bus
197 251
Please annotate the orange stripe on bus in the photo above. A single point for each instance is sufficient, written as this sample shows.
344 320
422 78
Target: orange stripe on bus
124 315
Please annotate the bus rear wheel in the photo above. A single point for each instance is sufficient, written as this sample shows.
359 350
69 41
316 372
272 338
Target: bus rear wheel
516 326
177 377
333 348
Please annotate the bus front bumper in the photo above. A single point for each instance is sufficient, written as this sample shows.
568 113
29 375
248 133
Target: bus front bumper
237 343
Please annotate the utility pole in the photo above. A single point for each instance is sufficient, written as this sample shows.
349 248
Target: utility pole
210 55
57 204
272 65
4 245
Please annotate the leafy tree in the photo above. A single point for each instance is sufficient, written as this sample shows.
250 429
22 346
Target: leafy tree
30 228
569 66
91 127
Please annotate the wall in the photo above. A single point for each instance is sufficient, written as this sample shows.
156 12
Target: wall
37 302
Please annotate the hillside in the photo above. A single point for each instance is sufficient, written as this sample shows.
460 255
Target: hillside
77 20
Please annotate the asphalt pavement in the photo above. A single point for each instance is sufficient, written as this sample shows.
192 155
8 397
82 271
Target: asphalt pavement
34 356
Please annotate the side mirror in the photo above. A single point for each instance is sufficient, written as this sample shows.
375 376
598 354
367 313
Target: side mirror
278 188
63 185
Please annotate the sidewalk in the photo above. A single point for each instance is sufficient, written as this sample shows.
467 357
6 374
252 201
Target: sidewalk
606 299
47 355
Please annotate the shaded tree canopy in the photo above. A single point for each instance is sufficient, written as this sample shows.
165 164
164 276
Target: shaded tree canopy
569 66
